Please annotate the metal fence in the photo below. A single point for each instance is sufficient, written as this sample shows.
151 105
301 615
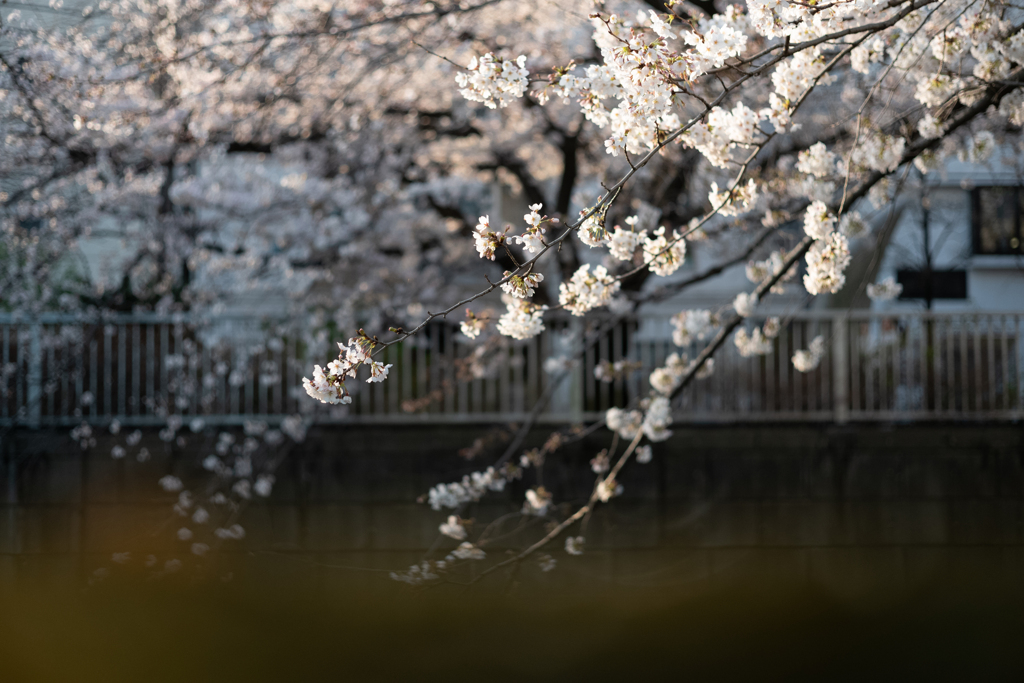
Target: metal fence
61 370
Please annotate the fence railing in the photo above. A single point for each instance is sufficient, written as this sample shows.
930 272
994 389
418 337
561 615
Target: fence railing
61 370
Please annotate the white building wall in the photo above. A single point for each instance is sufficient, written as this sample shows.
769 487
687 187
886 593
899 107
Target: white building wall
994 282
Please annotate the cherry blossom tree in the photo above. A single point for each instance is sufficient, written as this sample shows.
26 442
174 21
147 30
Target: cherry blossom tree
917 82
313 147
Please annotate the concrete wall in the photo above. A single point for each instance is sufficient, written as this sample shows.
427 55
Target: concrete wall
849 506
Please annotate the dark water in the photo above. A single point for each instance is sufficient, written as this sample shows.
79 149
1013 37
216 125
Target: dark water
967 629
744 553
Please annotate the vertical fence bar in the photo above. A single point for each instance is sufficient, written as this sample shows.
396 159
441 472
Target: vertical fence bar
758 364
136 397
533 381
65 383
49 377
784 395
385 399
421 364
990 345
771 372
8 377
207 390
1017 360
936 367
1004 324
93 372
884 364
450 369
590 360
122 365
282 387
231 392
193 363
897 370
79 371
965 378
519 378
290 372
840 368
505 379
606 352
924 362
643 357
179 350
20 408
151 369
976 368
821 374
35 374
464 383
856 385
950 370
436 365
251 363
407 372
576 397
800 378
161 360
108 368
617 393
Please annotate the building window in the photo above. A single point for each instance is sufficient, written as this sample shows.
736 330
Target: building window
935 284
996 218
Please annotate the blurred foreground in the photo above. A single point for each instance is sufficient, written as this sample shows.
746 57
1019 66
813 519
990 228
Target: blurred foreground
959 628
741 553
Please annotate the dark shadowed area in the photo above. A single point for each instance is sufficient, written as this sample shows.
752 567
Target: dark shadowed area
761 553
750 629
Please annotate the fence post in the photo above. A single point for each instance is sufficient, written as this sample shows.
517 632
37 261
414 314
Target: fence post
576 376
34 402
840 368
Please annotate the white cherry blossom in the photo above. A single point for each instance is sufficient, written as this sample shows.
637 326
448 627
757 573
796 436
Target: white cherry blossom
886 290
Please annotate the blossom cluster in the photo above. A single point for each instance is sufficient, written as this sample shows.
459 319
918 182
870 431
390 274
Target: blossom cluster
688 326
626 423
592 231
521 286
419 574
829 254
808 359
762 271
587 290
623 243
470 489
538 502
453 528
827 260
487 241
664 255
755 343
533 239
493 82
886 290
666 378
329 386
607 371
521 319
472 326
739 200
608 488
745 303
657 419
